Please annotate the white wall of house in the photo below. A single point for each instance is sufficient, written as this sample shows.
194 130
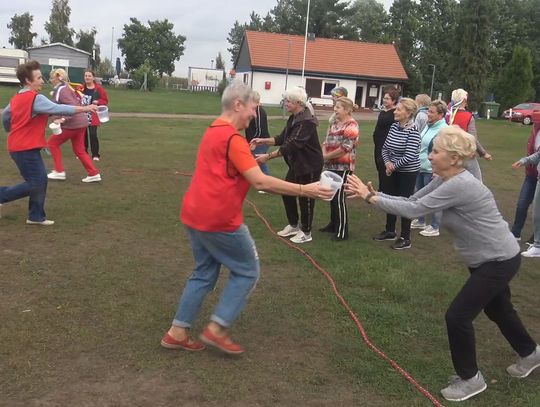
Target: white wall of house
273 95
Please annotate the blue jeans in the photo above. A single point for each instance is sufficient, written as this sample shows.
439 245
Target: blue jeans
422 180
236 251
536 216
33 171
526 196
262 149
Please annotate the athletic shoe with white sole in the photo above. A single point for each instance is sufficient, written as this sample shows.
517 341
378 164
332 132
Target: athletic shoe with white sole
45 222
524 366
416 224
460 390
288 231
60 176
532 251
301 237
92 178
430 231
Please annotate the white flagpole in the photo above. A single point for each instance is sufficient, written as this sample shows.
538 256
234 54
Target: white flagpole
305 42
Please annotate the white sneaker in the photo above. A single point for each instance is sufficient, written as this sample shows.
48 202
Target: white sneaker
60 176
430 231
261 192
45 222
92 178
532 251
289 231
301 237
460 390
524 366
416 224
95 158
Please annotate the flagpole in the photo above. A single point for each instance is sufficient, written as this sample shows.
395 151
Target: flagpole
305 43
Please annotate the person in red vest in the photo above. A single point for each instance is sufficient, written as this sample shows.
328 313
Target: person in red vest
458 115
25 118
225 169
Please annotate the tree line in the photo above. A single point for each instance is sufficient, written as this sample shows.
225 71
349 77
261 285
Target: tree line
486 47
150 49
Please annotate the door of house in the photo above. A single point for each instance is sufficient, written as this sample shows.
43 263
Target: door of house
372 95
313 87
359 94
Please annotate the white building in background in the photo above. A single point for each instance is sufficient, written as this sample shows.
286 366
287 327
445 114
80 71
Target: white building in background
10 59
272 62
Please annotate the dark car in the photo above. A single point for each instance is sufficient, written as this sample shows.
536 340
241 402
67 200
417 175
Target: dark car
522 112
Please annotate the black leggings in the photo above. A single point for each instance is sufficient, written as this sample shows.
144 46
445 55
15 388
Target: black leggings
486 289
307 205
399 184
91 134
339 219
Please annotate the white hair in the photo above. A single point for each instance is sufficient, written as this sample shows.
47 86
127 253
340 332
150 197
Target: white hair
296 94
237 90
459 95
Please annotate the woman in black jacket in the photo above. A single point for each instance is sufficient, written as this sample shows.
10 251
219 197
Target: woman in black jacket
384 121
300 147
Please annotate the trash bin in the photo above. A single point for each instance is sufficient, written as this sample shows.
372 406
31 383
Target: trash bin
493 108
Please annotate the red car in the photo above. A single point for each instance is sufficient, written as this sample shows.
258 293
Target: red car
522 112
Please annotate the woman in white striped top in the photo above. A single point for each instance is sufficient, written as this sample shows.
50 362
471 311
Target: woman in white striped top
401 155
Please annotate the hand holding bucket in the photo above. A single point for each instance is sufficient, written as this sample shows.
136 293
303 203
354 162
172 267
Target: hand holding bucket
56 128
103 113
331 180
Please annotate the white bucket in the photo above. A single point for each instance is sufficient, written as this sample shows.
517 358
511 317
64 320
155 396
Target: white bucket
56 128
103 113
331 180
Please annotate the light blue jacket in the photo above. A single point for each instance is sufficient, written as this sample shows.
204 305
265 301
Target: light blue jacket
429 133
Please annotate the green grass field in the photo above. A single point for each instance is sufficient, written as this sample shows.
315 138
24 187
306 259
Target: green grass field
158 101
85 302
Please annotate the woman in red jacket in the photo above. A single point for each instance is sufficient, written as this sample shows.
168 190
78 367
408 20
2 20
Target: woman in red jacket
93 94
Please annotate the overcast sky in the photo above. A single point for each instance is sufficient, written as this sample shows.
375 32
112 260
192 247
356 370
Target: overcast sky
204 23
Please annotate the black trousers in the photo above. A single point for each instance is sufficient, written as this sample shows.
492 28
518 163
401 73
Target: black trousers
399 184
339 219
307 205
486 289
91 133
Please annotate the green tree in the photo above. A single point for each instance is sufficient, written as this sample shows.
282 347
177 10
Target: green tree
436 32
220 64
21 36
86 40
472 65
515 79
403 28
58 25
235 39
105 68
370 21
155 44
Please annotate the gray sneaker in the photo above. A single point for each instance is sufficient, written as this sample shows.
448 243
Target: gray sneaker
459 389
524 366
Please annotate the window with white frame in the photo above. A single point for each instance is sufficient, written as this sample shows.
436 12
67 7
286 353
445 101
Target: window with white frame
328 86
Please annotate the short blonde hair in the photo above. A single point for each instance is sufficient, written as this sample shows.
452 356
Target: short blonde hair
60 74
296 94
347 104
454 140
410 106
459 95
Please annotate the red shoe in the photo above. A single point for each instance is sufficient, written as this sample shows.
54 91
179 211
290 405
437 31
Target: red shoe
220 343
170 343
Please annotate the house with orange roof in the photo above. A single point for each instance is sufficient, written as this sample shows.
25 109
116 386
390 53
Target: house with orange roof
271 63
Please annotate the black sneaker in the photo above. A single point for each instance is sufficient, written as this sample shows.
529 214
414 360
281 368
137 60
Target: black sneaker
530 242
328 229
401 244
384 235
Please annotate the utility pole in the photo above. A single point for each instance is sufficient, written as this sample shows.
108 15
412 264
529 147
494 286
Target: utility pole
432 80
112 41
305 42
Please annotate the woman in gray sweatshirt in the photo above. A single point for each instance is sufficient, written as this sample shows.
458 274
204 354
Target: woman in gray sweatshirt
484 241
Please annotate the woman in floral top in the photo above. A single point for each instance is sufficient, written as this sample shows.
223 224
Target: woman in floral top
339 153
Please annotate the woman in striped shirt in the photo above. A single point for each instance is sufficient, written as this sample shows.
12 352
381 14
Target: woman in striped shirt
400 153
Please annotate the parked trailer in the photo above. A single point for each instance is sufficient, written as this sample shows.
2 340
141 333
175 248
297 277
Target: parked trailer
10 59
